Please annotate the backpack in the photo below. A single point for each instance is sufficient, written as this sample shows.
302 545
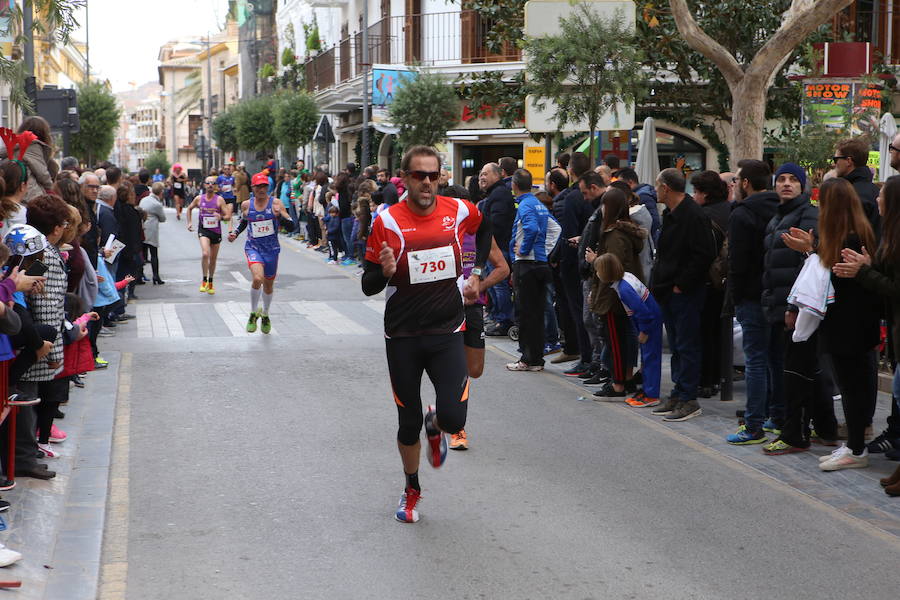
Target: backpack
718 270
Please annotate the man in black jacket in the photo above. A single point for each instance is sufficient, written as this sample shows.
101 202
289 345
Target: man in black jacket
685 252
805 388
850 158
746 231
388 191
575 211
500 208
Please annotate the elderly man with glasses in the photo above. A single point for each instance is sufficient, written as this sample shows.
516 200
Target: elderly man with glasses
90 187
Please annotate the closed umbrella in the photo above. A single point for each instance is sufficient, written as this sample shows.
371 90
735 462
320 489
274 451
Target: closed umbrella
888 128
648 157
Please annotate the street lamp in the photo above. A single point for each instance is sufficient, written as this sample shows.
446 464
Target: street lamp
173 134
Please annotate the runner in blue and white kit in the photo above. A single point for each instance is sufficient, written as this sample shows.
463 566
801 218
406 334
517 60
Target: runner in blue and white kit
225 181
261 215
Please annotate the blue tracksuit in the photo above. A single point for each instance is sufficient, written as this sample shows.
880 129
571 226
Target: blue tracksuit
534 230
647 318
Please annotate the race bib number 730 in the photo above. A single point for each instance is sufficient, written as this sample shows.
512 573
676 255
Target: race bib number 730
435 264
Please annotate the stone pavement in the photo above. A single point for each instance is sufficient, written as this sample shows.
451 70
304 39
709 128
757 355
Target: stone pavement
58 524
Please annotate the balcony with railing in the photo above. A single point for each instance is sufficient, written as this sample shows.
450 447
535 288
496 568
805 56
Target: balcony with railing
432 40
880 27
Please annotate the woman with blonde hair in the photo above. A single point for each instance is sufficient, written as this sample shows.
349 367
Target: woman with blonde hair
851 327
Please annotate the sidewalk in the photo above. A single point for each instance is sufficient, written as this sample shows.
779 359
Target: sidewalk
853 492
57 524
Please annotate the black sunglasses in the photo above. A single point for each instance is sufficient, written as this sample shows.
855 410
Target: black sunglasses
893 147
421 175
837 158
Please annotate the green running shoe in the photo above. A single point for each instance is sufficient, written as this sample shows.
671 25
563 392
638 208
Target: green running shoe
266 324
251 322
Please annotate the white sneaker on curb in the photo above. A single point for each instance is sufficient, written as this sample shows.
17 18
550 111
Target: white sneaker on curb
846 460
48 451
8 557
839 451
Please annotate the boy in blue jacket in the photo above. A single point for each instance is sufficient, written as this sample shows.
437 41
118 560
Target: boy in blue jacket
647 318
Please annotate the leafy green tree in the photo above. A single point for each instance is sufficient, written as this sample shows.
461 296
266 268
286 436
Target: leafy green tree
588 77
750 72
224 130
253 124
295 117
99 114
55 18
157 160
505 17
424 108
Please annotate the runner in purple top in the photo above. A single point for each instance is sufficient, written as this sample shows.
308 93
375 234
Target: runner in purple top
212 211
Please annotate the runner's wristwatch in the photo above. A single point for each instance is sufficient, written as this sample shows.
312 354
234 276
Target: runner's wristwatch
478 272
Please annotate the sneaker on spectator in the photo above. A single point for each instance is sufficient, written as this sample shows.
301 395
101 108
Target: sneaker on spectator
578 370
598 378
347 262
406 511
99 363
843 458
837 451
640 400
684 411
498 330
437 441
4 505
521 366
8 557
779 447
745 437
57 435
127 317
7 484
563 357
459 441
882 443
47 452
892 454
608 392
330 262
106 332
78 381
666 407
771 427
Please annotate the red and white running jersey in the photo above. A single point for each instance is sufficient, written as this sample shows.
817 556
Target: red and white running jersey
424 297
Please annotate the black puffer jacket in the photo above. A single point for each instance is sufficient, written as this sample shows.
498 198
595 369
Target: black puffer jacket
500 208
746 232
861 180
781 265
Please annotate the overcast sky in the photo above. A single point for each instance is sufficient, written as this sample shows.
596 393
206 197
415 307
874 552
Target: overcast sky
125 35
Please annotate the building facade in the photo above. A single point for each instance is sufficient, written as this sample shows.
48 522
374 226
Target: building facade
180 114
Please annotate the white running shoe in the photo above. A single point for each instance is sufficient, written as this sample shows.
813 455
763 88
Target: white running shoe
839 451
48 451
846 460
8 557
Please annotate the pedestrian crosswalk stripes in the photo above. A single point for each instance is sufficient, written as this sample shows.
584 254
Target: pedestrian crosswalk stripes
326 318
229 319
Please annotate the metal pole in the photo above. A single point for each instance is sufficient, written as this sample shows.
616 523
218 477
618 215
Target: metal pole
208 151
364 160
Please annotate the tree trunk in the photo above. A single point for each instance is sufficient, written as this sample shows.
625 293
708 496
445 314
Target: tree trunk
748 114
591 147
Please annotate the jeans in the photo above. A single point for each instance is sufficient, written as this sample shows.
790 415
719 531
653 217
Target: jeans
551 327
292 210
575 299
681 314
756 352
347 234
501 300
593 325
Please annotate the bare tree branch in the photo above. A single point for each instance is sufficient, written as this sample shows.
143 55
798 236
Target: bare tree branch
700 41
804 17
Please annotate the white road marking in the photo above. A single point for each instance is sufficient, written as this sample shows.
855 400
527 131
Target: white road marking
376 305
242 281
235 325
327 319
158 321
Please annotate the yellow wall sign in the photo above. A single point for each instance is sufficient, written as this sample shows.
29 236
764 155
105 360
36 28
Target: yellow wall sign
535 157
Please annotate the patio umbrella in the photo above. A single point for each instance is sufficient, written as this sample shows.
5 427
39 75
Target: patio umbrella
888 129
648 158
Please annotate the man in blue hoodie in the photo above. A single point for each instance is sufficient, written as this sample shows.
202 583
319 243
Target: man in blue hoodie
534 236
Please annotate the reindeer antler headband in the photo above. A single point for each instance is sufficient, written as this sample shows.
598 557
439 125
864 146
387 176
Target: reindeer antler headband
22 140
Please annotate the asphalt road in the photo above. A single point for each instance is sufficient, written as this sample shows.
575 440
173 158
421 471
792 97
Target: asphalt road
266 467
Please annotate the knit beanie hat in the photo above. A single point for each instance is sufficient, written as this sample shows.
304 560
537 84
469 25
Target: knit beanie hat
795 170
